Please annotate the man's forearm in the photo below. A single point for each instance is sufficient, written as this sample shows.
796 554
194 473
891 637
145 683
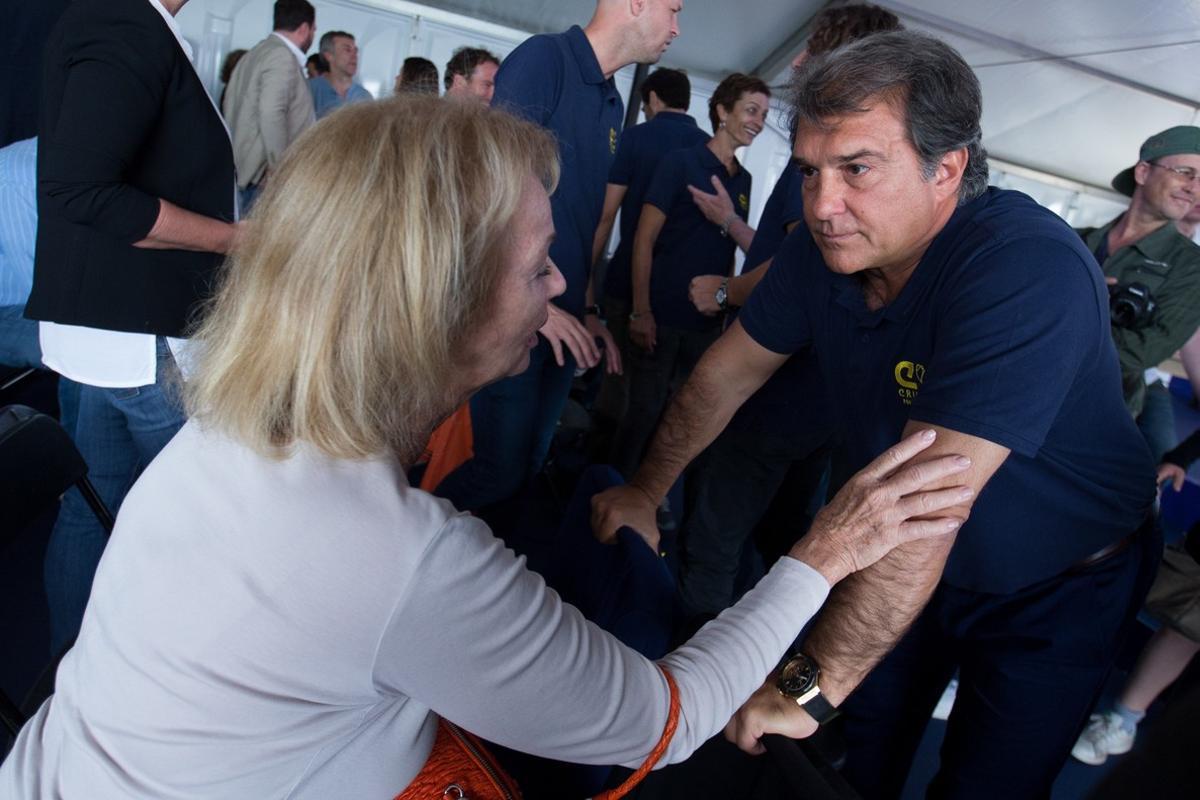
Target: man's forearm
741 286
868 612
698 412
640 275
741 233
600 240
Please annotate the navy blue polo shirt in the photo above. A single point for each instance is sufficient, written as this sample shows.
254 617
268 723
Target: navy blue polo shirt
555 81
783 207
792 402
638 153
1002 332
688 244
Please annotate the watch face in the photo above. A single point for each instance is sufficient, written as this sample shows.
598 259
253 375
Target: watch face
798 676
721 296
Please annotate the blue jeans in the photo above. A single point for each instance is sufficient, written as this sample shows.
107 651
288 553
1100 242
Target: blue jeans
118 432
246 198
19 339
1157 421
512 422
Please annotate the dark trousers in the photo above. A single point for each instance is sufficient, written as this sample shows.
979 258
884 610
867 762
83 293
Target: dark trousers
1031 665
747 470
512 422
652 377
614 390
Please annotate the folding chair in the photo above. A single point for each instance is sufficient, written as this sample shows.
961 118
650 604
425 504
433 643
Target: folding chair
38 463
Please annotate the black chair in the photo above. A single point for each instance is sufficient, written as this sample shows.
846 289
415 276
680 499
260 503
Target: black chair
38 463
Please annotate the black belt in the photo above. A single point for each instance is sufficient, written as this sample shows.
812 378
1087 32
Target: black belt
1104 553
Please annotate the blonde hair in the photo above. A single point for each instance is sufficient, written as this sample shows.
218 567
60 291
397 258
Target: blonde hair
370 257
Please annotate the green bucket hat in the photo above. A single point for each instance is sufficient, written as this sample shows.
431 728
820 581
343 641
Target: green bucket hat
1172 141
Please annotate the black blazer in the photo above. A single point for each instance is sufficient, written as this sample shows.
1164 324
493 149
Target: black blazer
124 121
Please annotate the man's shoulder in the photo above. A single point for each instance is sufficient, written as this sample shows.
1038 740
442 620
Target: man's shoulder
1005 217
82 13
272 48
1181 252
129 29
544 48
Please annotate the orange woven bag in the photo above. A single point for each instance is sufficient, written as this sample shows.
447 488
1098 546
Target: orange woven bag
460 768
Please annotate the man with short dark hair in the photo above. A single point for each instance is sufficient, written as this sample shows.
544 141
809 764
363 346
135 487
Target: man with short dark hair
935 302
337 86
563 82
1154 273
267 102
666 95
471 74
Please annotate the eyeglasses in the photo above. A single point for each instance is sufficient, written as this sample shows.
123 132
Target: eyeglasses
1187 174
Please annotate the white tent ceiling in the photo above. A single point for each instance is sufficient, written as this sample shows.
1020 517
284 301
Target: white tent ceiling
1071 87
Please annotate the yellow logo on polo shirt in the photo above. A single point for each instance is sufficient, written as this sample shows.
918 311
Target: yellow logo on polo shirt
744 202
910 376
612 141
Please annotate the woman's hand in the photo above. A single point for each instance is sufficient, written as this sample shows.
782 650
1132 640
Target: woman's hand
1172 472
642 331
881 507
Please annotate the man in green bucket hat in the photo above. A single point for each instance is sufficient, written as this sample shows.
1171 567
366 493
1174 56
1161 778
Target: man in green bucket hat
1153 273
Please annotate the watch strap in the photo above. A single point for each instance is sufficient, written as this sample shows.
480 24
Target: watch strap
819 709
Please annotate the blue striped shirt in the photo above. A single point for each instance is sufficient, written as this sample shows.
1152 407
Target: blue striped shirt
18 220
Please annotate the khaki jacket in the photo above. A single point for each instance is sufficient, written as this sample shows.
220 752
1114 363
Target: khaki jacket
267 106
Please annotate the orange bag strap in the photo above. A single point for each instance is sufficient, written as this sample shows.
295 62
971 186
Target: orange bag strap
659 749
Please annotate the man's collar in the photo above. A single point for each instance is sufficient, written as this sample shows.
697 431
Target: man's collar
174 28
1158 241
932 261
296 51
671 115
585 56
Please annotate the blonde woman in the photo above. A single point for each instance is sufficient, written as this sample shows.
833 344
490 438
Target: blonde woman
279 614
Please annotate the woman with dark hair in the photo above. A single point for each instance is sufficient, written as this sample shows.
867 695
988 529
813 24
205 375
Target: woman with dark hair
675 243
227 66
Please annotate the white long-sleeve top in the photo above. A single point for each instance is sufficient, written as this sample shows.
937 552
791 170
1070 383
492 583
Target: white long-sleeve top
289 628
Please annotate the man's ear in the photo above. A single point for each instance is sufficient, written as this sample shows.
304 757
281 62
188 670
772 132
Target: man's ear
1141 173
950 169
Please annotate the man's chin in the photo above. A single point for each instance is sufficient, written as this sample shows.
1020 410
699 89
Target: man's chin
841 262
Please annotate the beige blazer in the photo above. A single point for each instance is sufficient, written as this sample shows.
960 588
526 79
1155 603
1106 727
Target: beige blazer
267 105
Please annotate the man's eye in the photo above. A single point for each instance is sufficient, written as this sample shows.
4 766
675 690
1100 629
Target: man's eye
807 172
857 170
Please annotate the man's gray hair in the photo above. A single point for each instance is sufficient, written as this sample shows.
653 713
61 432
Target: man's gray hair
326 44
923 77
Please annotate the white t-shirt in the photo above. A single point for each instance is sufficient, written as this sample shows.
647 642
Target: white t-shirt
282 628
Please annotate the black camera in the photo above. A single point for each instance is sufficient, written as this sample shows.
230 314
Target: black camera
1131 305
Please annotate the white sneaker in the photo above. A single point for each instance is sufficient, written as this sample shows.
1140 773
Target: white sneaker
1103 737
